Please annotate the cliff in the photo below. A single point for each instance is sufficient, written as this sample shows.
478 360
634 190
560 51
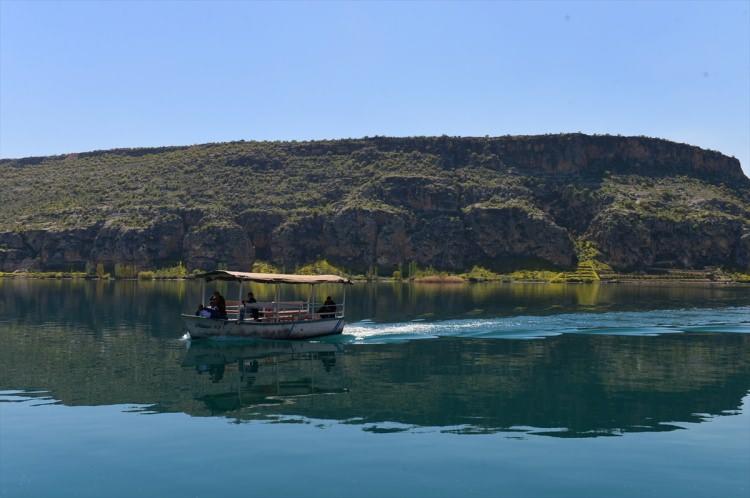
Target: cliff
380 203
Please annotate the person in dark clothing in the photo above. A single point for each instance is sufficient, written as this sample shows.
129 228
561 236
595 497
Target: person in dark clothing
249 305
328 310
219 305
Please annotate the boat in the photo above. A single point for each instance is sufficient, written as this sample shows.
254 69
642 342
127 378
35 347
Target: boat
275 319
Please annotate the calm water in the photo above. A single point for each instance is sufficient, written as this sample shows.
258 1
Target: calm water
467 390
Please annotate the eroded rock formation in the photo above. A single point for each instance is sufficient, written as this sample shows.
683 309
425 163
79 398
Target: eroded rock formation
380 203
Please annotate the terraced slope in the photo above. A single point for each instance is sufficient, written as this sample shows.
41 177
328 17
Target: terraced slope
377 204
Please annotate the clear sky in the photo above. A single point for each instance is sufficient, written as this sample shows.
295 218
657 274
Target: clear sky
95 75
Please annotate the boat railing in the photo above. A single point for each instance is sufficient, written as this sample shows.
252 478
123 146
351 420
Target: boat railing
283 311
337 312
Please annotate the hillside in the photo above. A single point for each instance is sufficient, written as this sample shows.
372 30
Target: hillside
377 204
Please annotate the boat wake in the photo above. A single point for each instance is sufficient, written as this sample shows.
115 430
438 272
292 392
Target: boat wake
640 323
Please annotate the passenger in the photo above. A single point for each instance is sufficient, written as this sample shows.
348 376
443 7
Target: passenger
212 308
210 311
203 311
219 305
328 310
249 305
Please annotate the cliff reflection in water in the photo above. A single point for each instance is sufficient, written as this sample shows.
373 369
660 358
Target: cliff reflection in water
564 386
574 385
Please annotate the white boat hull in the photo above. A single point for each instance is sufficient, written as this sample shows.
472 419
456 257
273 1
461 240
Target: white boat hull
200 328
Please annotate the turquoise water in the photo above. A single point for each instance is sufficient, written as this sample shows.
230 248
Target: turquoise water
461 390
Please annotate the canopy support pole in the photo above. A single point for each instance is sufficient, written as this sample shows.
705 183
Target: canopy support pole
203 292
309 301
240 311
312 296
343 304
277 302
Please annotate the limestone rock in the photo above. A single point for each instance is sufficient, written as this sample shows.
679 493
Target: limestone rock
632 242
158 244
380 203
511 234
212 244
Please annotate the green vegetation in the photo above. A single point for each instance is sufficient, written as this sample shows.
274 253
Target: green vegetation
76 190
124 270
44 274
320 267
675 198
421 207
420 273
586 250
264 267
430 274
585 272
535 276
177 271
481 274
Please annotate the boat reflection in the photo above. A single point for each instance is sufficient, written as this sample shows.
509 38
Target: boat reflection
255 372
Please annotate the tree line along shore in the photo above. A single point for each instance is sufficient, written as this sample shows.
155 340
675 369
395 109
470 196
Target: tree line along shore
586 272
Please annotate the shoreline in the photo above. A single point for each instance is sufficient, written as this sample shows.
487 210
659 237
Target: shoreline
723 279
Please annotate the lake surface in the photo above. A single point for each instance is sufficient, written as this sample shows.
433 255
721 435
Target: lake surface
523 390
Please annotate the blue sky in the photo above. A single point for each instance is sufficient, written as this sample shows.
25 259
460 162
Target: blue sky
82 76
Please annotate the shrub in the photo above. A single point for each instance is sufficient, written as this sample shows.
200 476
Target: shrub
319 267
125 270
479 273
264 267
178 271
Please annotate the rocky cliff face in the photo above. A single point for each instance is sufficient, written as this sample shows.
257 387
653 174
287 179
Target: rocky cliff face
380 203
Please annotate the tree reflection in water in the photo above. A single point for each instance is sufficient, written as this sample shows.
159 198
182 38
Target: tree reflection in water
566 386
116 343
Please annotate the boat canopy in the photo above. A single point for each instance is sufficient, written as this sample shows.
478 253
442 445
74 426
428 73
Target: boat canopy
272 278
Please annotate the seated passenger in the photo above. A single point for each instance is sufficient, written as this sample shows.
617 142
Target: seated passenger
219 305
203 311
328 310
249 305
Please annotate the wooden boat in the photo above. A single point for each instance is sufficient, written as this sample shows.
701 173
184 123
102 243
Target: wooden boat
274 319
